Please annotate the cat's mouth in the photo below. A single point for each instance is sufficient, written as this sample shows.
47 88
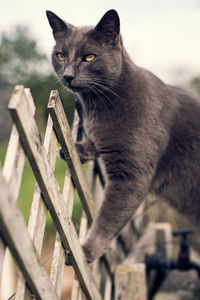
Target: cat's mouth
76 88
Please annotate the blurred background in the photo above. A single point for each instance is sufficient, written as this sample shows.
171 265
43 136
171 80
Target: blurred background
161 36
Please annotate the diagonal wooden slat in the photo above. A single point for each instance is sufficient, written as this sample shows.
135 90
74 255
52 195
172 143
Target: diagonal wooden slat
13 167
63 133
58 262
38 214
15 233
34 149
71 155
15 158
76 290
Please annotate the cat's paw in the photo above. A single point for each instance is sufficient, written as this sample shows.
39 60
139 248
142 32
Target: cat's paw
62 156
82 155
82 159
68 261
88 254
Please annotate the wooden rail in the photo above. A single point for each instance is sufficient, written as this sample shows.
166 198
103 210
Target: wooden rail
26 243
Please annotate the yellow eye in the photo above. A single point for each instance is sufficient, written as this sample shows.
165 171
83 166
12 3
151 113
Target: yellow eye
60 57
89 57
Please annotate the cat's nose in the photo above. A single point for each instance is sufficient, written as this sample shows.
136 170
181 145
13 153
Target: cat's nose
69 78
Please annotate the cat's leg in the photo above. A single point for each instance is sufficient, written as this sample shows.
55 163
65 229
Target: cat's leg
121 201
86 150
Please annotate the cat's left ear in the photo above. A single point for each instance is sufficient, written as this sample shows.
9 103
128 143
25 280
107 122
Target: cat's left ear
58 25
109 26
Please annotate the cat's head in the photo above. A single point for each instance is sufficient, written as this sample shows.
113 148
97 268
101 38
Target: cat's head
87 57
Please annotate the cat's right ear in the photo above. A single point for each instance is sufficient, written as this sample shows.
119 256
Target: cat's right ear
109 27
58 26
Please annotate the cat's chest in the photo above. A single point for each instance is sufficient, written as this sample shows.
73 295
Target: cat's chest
98 129
92 129
104 131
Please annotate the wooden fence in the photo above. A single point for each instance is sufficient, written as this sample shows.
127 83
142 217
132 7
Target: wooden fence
95 283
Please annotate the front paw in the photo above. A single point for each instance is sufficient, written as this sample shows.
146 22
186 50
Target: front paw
82 155
82 158
61 154
68 260
88 254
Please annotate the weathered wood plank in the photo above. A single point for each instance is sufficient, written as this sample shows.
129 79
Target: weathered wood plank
156 238
63 133
76 290
34 149
58 262
130 282
14 231
108 289
15 158
59 256
22 291
13 166
8 280
38 214
145 245
65 138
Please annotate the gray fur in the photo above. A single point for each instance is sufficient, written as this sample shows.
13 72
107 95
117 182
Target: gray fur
146 132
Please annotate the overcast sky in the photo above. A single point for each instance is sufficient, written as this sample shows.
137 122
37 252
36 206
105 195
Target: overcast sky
160 35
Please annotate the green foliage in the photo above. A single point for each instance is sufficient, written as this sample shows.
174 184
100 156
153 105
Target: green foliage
22 62
27 190
41 86
19 56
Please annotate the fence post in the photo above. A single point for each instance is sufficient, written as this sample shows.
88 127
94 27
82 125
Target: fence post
130 282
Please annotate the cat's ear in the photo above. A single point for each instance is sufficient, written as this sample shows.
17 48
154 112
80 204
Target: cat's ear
58 26
109 27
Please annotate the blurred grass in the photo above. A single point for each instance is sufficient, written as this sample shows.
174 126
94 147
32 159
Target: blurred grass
27 190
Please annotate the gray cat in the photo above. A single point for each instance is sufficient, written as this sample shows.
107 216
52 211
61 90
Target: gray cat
146 132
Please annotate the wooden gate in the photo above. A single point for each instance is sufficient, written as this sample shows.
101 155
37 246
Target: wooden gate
26 243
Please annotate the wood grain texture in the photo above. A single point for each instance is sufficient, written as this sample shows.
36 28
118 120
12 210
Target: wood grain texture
58 263
130 282
38 214
63 133
34 149
14 163
15 233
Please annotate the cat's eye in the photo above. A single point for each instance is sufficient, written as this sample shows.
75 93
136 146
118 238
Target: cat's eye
60 56
89 57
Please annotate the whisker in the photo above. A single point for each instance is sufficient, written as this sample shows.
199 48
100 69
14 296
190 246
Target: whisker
105 96
96 91
100 91
92 100
108 85
98 88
